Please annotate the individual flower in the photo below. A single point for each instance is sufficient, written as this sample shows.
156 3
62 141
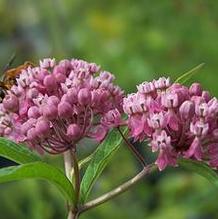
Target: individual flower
176 120
55 105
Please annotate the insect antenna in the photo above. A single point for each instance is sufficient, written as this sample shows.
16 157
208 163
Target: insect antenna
11 60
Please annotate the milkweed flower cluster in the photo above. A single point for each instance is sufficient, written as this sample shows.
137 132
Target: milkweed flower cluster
55 105
177 121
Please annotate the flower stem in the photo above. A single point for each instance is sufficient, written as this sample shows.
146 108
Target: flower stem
119 190
68 164
70 161
72 215
132 148
76 177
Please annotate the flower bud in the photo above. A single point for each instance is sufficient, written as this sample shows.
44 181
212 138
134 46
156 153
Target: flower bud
84 96
65 109
50 111
65 63
27 125
11 103
53 100
195 89
93 68
72 95
42 127
213 107
50 82
206 96
187 110
106 76
60 78
31 134
73 131
33 112
59 70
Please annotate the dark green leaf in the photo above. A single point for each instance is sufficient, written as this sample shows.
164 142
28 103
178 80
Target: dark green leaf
99 160
188 75
39 170
17 152
201 169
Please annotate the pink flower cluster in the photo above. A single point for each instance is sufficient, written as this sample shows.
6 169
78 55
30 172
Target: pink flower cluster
55 105
177 121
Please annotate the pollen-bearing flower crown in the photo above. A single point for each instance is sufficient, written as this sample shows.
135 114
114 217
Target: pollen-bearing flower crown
175 120
55 105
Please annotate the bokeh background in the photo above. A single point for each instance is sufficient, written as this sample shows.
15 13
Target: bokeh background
137 41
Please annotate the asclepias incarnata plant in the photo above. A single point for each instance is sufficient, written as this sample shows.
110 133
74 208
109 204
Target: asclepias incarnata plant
54 106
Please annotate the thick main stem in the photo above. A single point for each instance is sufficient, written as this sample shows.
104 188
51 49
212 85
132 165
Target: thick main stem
70 161
76 177
122 188
72 215
68 164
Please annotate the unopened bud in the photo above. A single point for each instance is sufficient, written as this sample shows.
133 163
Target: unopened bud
84 96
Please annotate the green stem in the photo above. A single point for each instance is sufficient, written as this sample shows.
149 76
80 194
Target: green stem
119 190
76 177
70 162
132 148
72 215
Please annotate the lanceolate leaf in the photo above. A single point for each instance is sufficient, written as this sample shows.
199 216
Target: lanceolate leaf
17 152
188 75
200 168
39 170
98 162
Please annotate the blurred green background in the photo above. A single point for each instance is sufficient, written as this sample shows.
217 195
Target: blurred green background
137 41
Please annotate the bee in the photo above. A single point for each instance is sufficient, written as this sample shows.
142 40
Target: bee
10 75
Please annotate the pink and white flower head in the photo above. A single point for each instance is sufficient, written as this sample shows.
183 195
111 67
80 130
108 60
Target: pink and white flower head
146 88
178 121
162 83
55 105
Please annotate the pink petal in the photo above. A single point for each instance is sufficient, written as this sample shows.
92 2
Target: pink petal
172 121
194 150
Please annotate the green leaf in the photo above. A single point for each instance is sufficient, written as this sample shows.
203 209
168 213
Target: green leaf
17 152
99 160
201 169
39 170
188 75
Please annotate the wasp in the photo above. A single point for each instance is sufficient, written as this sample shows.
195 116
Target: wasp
10 75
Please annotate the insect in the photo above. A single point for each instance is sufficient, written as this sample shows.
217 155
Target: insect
10 75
